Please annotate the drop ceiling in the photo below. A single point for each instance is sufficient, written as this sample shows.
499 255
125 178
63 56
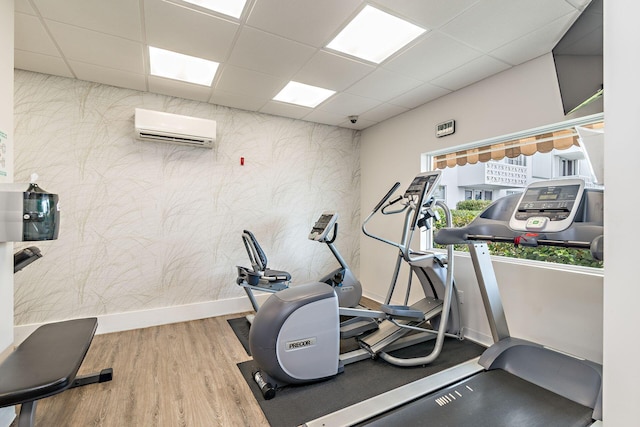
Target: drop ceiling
275 41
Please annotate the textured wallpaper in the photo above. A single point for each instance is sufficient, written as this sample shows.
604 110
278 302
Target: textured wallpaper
150 225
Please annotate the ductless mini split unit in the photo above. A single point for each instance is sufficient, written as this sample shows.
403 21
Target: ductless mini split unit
174 128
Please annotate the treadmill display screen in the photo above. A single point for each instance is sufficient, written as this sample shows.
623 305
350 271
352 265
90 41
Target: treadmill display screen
554 202
548 206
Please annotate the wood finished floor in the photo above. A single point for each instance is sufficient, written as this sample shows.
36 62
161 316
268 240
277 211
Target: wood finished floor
182 374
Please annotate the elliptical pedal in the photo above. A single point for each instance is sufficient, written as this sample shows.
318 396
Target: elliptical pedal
356 327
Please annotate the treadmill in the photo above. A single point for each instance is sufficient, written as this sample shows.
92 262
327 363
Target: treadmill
515 382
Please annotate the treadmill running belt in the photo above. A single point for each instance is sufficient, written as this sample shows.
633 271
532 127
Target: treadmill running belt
490 399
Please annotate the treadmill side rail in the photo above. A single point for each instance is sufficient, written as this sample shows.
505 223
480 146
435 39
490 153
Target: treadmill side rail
384 402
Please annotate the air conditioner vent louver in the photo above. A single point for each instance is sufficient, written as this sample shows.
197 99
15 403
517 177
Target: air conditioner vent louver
173 139
174 129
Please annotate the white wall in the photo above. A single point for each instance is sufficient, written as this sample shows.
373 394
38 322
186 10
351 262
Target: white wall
555 307
524 97
153 230
6 127
622 151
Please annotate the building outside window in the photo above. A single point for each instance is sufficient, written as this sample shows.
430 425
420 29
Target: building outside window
504 166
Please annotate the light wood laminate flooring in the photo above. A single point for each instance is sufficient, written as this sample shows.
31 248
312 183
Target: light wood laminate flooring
181 374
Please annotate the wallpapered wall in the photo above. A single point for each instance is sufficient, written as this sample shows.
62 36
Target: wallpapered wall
148 225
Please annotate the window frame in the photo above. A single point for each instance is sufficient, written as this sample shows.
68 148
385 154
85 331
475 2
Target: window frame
427 162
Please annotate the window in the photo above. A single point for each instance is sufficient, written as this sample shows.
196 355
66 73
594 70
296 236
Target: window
486 171
521 160
567 167
478 194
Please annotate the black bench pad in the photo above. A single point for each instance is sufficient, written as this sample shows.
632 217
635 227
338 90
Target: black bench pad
47 362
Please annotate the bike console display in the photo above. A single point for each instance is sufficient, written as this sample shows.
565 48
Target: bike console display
548 206
323 226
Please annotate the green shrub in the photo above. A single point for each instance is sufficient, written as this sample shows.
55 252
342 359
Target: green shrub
473 205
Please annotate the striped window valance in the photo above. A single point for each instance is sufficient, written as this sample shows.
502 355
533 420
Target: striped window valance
561 139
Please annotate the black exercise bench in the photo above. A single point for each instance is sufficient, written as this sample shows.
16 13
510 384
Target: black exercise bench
46 363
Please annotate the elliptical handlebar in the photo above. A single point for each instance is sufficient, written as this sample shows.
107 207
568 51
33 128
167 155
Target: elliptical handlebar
386 197
376 209
416 197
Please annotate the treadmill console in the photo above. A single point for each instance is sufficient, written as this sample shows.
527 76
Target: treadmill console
323 226
548 206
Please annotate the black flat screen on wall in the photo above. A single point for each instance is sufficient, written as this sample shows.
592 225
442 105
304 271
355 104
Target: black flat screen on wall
578 60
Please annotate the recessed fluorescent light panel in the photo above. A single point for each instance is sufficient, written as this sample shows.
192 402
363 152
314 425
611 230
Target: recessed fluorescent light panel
226 7
375 35
177 66
302 94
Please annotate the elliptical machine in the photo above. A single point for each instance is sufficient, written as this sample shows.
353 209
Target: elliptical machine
262 278
295 337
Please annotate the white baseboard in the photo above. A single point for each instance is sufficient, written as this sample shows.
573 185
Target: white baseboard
159 316
182 313
477 337
7 415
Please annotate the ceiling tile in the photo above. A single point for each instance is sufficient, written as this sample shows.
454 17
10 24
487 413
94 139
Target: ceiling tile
275 41
248 82
187 31
108 76
311 22
264 52
471 72
534 44
179 89
242 102
97 48
331 71
346 104
285 110
319 116
382 112
116 17
383 85
432 57
30 35
491 24
420 95
46 64
359 125
429 14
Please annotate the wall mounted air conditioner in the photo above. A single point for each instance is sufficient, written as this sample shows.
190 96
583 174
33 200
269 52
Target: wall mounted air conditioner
174 129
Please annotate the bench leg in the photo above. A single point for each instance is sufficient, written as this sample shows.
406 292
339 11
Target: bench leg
27 415
104 376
